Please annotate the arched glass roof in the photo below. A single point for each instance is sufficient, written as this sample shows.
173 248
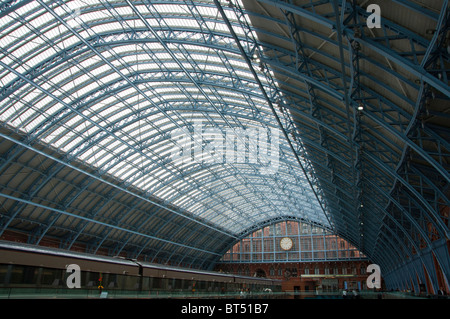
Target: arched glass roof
126 86
173 129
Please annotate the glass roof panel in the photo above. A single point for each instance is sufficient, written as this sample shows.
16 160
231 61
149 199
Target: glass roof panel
181 81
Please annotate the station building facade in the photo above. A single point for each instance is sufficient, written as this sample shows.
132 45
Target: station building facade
306 257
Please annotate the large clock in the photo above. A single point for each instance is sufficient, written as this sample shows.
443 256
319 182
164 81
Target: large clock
286 243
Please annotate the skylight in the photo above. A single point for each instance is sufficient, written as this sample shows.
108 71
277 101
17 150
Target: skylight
115 96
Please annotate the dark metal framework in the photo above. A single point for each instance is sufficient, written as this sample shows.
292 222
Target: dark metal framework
91 94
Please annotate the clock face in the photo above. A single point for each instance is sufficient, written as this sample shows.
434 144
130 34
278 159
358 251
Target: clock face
286 243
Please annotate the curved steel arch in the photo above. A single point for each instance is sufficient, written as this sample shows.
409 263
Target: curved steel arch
57 64
417 195
317 75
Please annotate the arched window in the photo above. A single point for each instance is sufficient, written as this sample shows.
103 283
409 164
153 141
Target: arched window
280 272
309 243
272 271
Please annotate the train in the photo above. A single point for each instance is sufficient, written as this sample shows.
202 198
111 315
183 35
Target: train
39 270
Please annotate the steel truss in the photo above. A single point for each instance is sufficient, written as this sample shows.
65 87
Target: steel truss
362 111
393 208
